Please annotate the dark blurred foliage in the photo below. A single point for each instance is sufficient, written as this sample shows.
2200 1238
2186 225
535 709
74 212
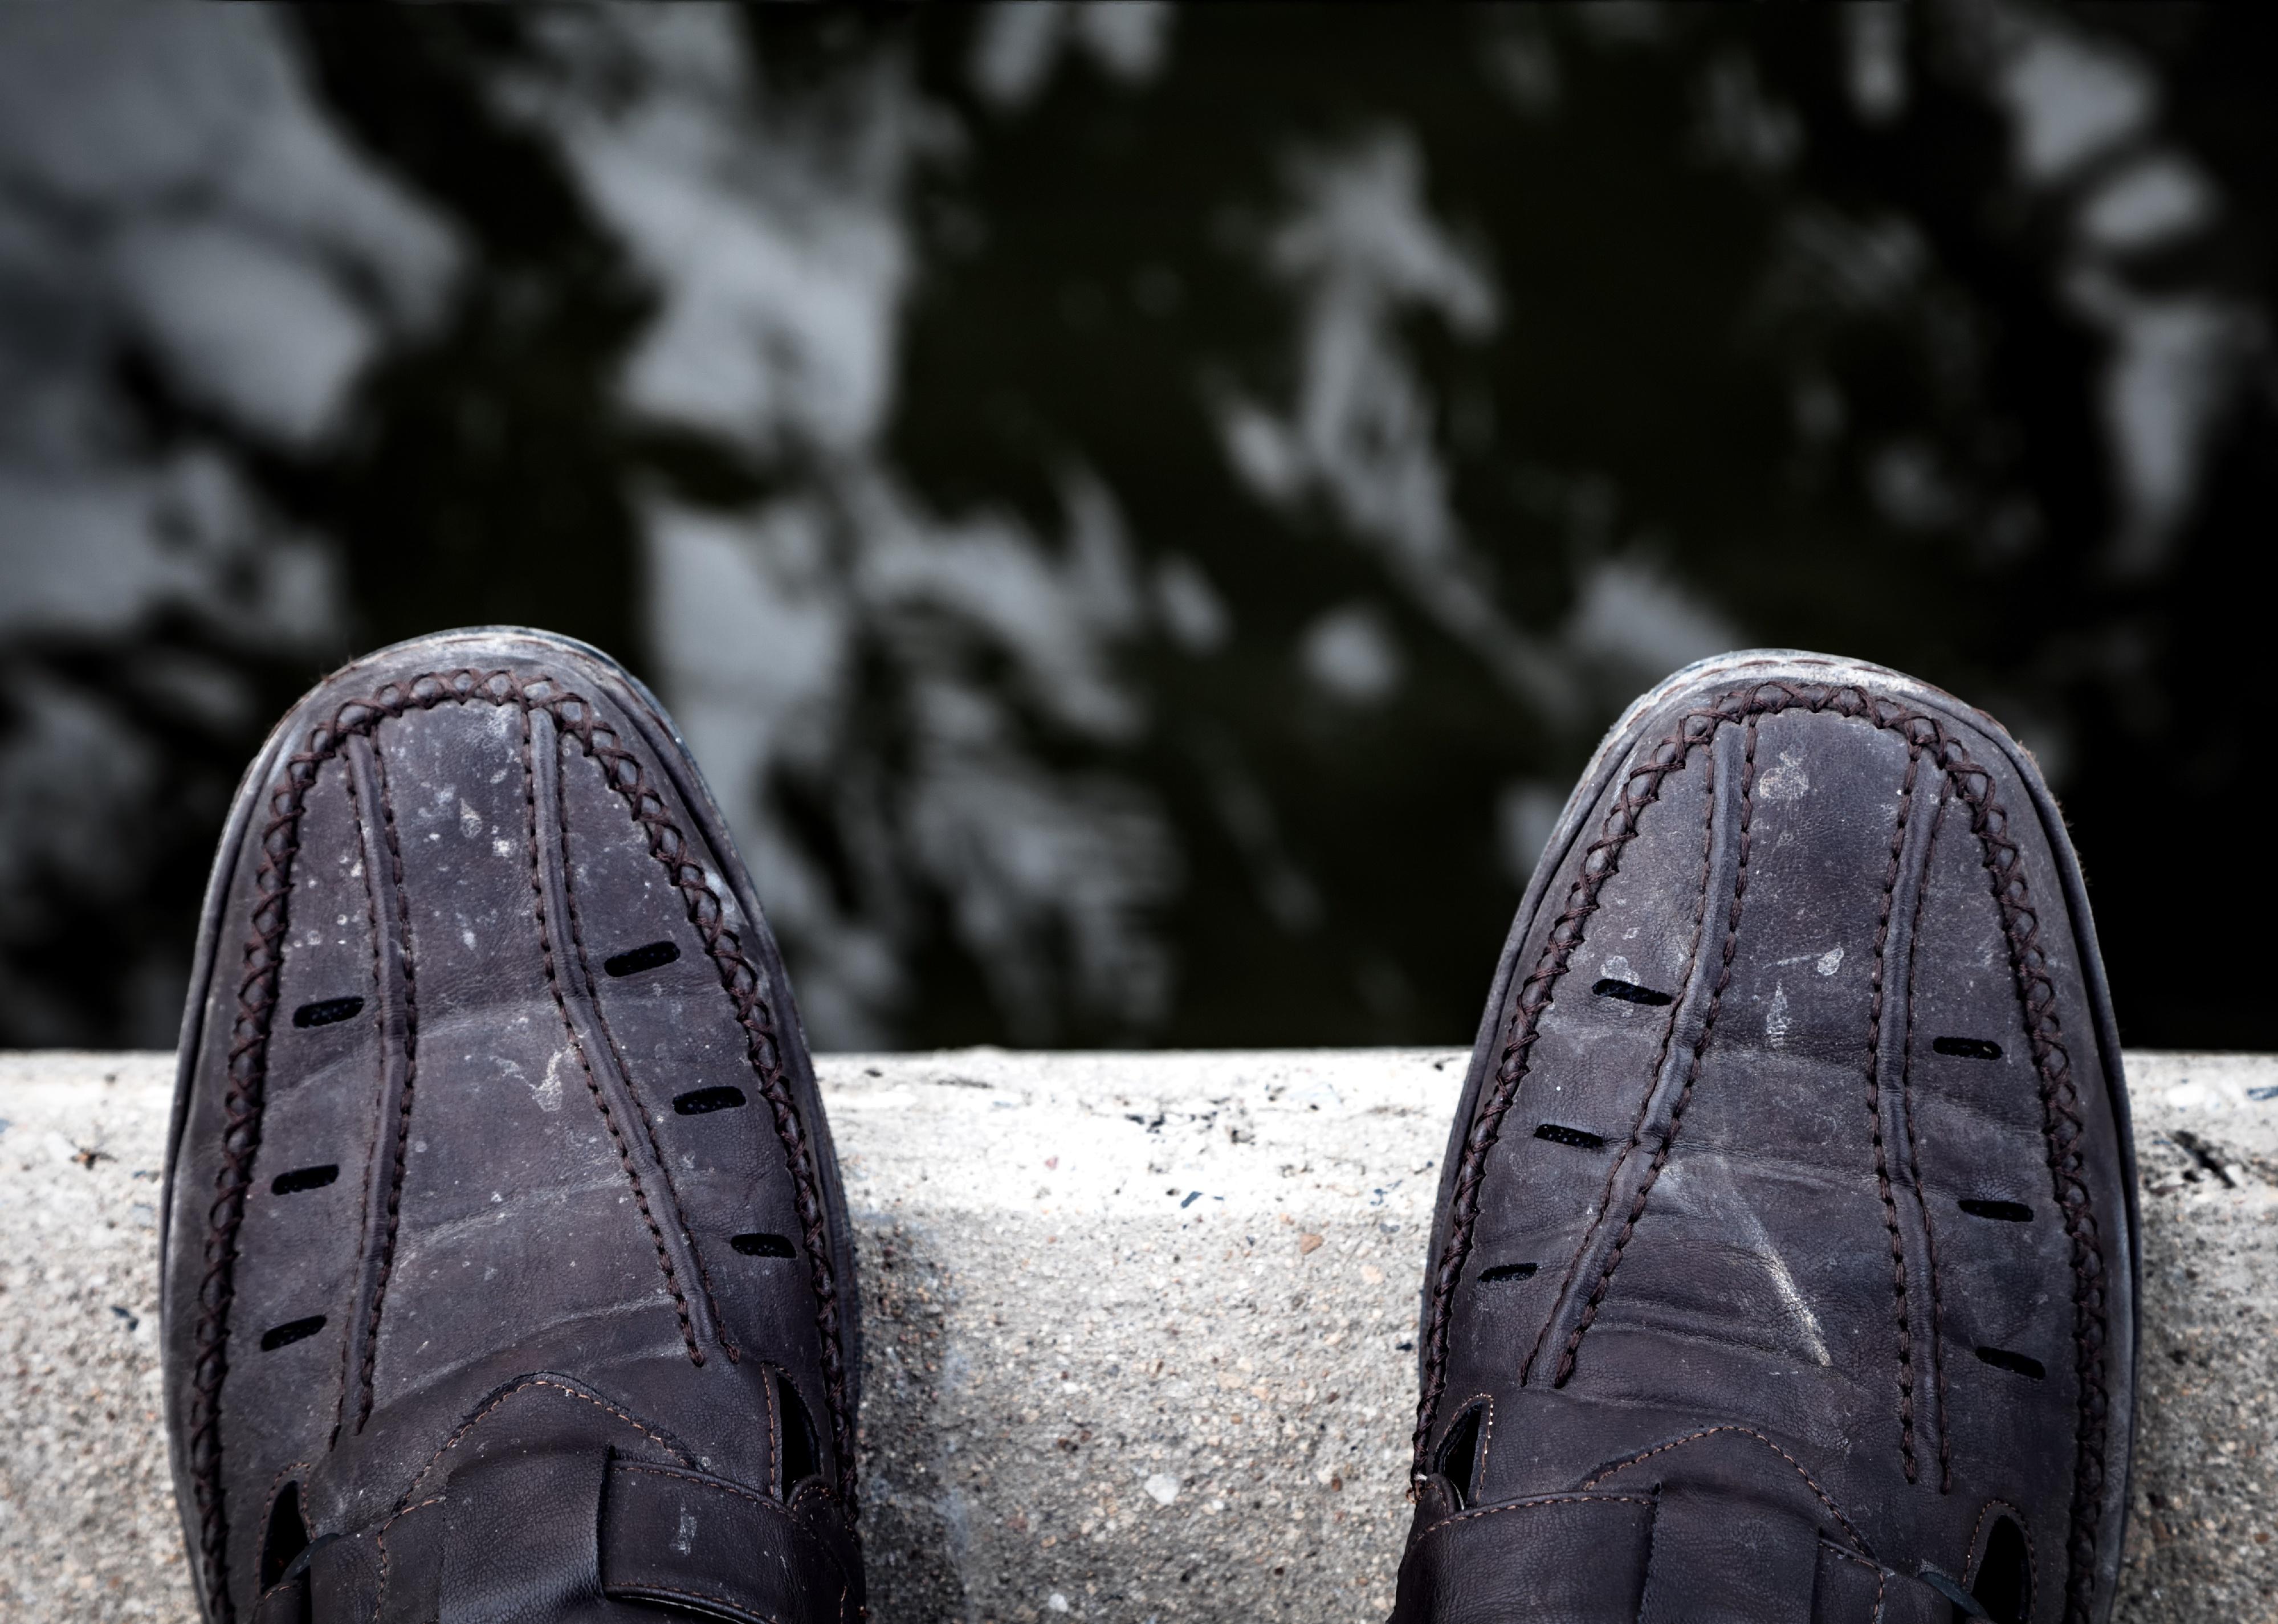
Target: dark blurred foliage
1804 356
1652 364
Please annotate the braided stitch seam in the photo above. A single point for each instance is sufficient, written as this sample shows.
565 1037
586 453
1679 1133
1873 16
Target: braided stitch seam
2062 1132
1660 1059
584 1062
1876 983
647 1124
1654 1170
372 1152
1598 864
245 1066
1913 1159
366 1364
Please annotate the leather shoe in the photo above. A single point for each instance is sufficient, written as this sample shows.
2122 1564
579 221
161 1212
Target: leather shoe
506 1270
1786 1260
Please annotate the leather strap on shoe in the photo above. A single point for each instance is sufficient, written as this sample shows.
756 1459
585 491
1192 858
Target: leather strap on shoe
1672 1554
1572 1558
545 1535
675 1535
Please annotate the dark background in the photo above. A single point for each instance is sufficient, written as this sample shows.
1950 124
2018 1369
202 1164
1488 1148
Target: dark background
1141 513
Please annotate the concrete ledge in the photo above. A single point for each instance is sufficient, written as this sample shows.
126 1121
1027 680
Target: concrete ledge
1139 1332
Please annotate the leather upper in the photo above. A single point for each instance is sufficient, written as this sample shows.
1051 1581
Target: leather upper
1786 1260
503 1237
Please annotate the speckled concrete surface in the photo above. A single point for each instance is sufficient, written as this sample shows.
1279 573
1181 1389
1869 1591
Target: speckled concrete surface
1139 1332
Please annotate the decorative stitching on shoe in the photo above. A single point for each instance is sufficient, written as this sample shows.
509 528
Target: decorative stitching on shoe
1826 1499
1875 1116
1640 786
247 1064
1882 1574
379 1543
616 1051
269 1504
1913 1159
812 1489
1645 1586
2024 1528
1660 1059
399 1162
584 1063
562 1384
2062 1126
1484 1401
781 1508
1654 1170
1533 1505
372 1150
2061 1131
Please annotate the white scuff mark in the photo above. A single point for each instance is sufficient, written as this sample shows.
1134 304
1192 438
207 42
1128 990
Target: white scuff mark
1787 781
1783 1283
548 1092
470 821
1829 961
1776 1020
683 1538
502 848
1734 1209
468 936
1617 968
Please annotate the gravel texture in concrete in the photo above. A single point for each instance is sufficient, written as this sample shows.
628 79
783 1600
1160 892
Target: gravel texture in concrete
1140 1332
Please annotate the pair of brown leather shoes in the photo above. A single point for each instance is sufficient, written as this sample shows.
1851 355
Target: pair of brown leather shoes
1784 1269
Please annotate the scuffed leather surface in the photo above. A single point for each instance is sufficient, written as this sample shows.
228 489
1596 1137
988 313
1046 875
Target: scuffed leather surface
523 1260
1758 1303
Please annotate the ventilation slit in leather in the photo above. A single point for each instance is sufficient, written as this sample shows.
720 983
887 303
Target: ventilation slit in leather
304 1178
2007 1212
1967 1048
2020 1364
1580 1139
697 1102
325 1011
290 1332
1628 991
2005 1576
287 1536
1508 1271
800 1458
763 1246
633 961
1458 1458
